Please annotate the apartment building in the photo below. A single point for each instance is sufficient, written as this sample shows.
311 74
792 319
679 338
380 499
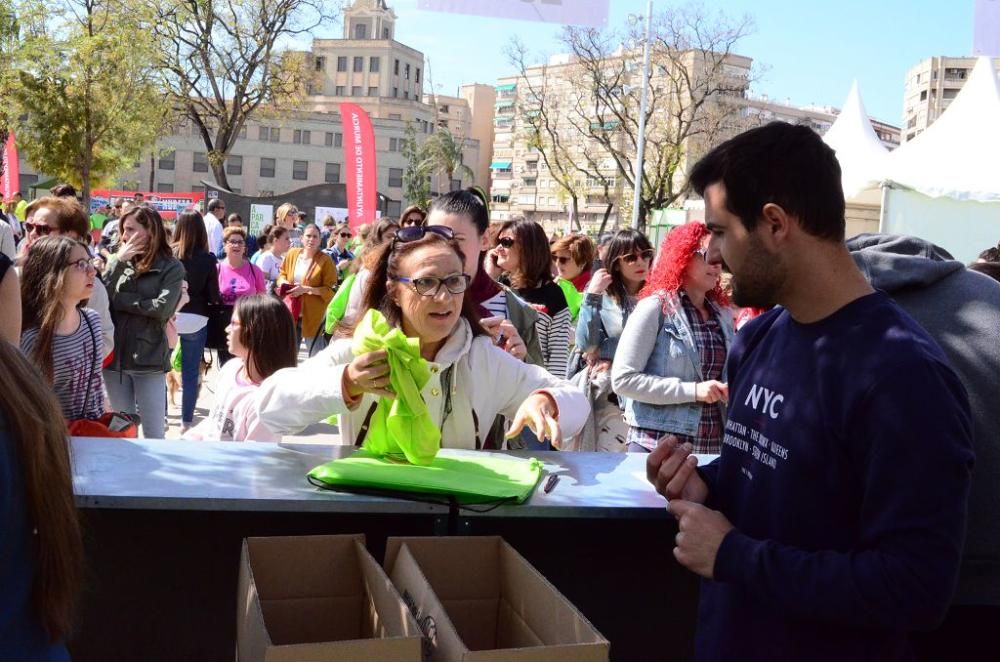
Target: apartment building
931 85
469 116
818 118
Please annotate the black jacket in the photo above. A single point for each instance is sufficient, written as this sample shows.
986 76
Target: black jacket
202 277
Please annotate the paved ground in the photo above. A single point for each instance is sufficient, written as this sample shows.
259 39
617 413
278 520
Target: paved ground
320 433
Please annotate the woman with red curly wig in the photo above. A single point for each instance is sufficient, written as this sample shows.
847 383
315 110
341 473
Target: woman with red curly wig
672 353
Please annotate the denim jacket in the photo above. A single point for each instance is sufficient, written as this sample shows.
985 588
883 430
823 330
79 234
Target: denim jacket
657 365
600 324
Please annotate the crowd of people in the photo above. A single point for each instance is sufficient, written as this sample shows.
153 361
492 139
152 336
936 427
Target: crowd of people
739 336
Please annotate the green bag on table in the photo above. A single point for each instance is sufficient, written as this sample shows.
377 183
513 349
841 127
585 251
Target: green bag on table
402 425
470 477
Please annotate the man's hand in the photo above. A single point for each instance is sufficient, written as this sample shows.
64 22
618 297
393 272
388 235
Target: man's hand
671 469
699 536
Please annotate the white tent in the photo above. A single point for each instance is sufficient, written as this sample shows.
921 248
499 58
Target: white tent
863 158
944 185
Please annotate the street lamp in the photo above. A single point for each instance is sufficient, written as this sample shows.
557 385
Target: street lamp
641 151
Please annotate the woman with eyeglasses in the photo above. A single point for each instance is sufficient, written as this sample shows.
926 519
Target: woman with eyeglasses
572 257
306 283
419 284
671 356
144 283
238 277
522 253
345 307
337 248
62 337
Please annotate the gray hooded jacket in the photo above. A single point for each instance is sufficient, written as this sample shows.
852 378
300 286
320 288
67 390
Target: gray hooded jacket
960 309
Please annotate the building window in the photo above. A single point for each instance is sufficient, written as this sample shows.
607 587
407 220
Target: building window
243 132
393 142
297 136
199 189
923 95
395 116
417 78
263 133
456 184
395 68
332 175
373 91
266 167
356 91
443 109
374 64
164 188
342 63
306 137
275 134
395 177
394 209
949 94
320 63
360 31
300 170
329 139
385 33
338 140
200 163
339 92
395 92
166 161
406 69
359 64
234 165
406 94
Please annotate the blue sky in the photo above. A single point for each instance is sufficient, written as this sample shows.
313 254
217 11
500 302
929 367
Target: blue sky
811 51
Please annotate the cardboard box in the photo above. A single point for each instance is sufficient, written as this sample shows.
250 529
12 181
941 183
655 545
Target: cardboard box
478 600
312 598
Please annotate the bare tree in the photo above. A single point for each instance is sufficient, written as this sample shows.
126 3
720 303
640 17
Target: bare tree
222 63
697 90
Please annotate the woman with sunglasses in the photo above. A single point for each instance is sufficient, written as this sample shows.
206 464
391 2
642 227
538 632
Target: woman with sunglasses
337 248
61 337
412 216
572 257
345 307
419 285
144 282
306 283
672 353
522 253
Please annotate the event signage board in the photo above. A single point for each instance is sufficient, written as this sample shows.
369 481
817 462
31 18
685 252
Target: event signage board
593 13
260 215
168 204
11 182
359 161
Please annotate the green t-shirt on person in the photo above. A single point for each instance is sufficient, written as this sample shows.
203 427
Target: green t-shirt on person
97 221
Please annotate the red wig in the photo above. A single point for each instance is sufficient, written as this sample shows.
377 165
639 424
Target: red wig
676 252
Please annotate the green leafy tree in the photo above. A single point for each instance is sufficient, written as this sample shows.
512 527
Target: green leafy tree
416 180
442 154
85 89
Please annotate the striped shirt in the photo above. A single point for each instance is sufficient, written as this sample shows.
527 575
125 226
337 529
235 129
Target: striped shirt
497 305
76 361
553 325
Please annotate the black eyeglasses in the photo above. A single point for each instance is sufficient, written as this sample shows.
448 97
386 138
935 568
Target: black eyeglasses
506 242
37 229
429 286
632 258
417 232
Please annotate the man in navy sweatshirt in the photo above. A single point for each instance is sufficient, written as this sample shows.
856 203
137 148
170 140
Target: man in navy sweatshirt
832 524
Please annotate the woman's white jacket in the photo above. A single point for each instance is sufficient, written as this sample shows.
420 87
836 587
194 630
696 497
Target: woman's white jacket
484 378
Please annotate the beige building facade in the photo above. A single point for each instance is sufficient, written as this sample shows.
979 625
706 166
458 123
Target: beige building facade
931 85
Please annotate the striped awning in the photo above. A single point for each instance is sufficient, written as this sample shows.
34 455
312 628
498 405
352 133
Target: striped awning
501 165
507 87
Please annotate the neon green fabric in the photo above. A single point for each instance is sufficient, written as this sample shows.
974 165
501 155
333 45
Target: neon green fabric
574 298
338 304
175 357
471 477
402 424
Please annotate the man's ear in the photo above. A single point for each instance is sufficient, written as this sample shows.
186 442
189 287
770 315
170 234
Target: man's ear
776 224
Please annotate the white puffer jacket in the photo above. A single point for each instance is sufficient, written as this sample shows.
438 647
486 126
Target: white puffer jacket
484 379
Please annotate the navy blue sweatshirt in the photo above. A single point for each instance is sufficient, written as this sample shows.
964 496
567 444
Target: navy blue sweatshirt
845 468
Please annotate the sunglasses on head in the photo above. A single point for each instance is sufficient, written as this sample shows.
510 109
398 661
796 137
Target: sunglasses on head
417 232
506 242
632 258
37 229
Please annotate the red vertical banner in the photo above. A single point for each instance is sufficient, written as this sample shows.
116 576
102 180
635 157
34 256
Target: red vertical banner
11 181
359 161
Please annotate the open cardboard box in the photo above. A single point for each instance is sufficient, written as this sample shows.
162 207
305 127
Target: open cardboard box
312 598
478 600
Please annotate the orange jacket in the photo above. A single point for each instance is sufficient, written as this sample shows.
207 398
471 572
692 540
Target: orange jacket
322 274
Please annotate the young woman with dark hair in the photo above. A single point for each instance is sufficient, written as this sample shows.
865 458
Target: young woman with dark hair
338 249
62 339
671 357
345 307
144 283
278 244
522 253
419 285
41 549
262 340
411 216
190 246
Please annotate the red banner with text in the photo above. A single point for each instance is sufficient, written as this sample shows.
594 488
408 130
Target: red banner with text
11 181
359 162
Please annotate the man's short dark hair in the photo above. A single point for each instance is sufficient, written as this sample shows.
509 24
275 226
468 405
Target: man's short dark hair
63 191
215 203
783 164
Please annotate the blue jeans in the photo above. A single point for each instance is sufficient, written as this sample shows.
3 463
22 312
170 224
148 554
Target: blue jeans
192 351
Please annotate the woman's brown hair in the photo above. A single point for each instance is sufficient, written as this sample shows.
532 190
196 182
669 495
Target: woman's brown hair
190 236
413 209
158 247
386 269
42 282
532 246
37 432
579 246
267 330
